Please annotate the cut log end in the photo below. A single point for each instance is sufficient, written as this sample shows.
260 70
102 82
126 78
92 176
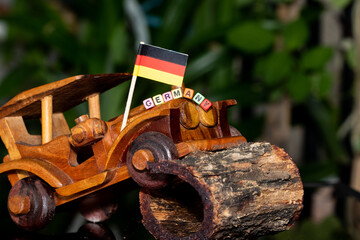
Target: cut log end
240 193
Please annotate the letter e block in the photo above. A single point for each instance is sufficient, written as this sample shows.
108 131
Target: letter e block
149 103
158 99
167 96
176 93
206 104
198 98
188 93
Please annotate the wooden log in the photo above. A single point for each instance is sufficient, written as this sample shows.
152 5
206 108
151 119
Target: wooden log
239 193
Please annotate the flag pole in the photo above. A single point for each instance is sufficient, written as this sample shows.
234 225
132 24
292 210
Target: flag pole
128 102
130 95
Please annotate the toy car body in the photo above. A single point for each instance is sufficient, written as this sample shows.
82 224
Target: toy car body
62 164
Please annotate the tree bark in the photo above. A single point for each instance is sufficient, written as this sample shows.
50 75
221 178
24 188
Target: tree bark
240 193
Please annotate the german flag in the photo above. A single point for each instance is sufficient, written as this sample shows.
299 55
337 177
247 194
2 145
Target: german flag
160 64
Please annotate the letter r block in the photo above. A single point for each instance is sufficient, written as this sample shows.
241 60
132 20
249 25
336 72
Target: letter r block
167 96
158 99
206 104
149 103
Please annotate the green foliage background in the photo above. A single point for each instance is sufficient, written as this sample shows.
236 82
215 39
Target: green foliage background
232 54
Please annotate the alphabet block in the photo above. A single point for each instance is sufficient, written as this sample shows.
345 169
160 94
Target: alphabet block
167 96
188 93
198 98
158 99
149 103
176 93
206 104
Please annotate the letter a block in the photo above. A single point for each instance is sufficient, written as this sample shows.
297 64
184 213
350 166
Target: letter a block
188 93
158 99
198 98
149 103
167 96
206 104
176 93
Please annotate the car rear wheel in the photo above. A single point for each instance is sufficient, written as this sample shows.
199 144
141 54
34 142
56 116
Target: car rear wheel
98 206
31 203
150 147
234 132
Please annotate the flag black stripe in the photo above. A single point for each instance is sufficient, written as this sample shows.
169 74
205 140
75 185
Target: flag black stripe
163 54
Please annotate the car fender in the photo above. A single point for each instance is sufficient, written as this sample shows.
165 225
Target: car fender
51 174
125 137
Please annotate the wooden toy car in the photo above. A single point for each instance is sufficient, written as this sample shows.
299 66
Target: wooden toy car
62 164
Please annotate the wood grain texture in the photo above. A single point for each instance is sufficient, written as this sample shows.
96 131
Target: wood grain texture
67 93
240 193
40 201
94 106
46 119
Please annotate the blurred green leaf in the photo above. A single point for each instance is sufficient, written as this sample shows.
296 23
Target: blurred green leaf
250 37
329 229
105 22
350 52
243 3
204 64
227 12
321 83
340 4
173 22
299 86
323 171
326 122
119 44
222 76
315 58
295 35
204 18
276 94
274 68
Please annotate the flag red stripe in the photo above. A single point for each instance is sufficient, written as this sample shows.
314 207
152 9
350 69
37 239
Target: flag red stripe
160 65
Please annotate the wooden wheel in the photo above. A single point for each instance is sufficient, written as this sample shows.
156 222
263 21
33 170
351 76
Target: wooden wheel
95 231
234 132
31 203
98 207
150 147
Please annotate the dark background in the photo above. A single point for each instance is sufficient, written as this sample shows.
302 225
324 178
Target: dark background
291 66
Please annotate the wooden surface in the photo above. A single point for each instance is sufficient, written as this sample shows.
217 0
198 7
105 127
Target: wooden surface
67 93
46 119
240 193
95 154
35 200
94 106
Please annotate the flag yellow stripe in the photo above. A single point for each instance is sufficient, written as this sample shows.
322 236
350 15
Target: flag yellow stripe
157 75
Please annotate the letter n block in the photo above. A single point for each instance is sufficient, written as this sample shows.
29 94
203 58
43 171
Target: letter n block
167 96
158 99
149 103
188 93
206 104
176 93
198 98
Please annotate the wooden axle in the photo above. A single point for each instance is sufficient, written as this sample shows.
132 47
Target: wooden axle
141 157
19 204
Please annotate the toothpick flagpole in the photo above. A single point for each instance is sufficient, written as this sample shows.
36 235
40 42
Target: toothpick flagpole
130 96
128 102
